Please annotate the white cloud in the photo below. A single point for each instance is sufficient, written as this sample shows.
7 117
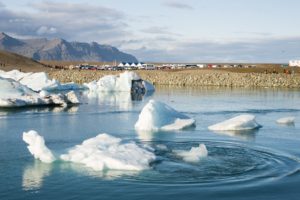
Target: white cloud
44 30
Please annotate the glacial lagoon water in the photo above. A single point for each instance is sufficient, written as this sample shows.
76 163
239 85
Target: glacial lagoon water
259 164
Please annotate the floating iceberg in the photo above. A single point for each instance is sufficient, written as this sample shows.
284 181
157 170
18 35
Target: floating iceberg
14 94
107 152
38 81
157 116
99 153
286 120
125 82
193 155
37 147
241 122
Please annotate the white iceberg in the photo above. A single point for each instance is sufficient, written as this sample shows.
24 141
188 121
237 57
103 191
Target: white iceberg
125 82
37 147
286 120
38 81
156 116
241 122
107 152
14 94
99 153
193 155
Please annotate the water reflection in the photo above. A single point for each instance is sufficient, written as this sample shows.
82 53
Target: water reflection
123 100
147 136
34 174
106 174
42 109
248 135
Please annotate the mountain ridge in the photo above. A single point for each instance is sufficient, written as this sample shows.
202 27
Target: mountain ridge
62 50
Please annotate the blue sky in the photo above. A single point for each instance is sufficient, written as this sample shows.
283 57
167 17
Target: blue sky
166 30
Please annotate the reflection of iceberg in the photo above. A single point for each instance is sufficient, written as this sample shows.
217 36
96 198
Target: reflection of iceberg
104 174
34 174
99 153
241 134
193 155
120 99
14 94
157 116
144 135
241 122
286 120
38 81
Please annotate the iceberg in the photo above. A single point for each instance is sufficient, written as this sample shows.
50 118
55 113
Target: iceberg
241 122
286 120
157 116
193 155
38 81
14 94
125 82
37 147
107 152
99 153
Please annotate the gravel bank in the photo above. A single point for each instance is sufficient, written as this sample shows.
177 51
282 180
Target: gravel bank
190 78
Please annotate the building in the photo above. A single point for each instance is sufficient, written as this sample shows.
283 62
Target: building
294 63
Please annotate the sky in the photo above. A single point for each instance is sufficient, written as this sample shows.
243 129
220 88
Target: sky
166 30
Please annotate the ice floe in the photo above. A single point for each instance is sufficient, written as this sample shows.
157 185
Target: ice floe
108 152
241 122
156 116
38 81
193 155
37 147
286 120
99 153
14 94
124 82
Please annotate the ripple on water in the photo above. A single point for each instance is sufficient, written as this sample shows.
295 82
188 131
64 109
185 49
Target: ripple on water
227 163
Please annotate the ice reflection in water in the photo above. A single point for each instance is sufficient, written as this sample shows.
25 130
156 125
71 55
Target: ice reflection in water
247 135
34 174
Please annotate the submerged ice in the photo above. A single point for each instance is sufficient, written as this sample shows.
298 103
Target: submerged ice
286 120
157 116
99 153
193 155
241 122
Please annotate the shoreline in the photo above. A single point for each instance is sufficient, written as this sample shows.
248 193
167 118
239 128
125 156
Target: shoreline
189 78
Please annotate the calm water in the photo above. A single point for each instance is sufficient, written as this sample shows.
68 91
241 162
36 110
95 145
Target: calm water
261 164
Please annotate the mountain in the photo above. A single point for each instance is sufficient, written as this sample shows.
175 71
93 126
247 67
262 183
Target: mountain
62 50
10 61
